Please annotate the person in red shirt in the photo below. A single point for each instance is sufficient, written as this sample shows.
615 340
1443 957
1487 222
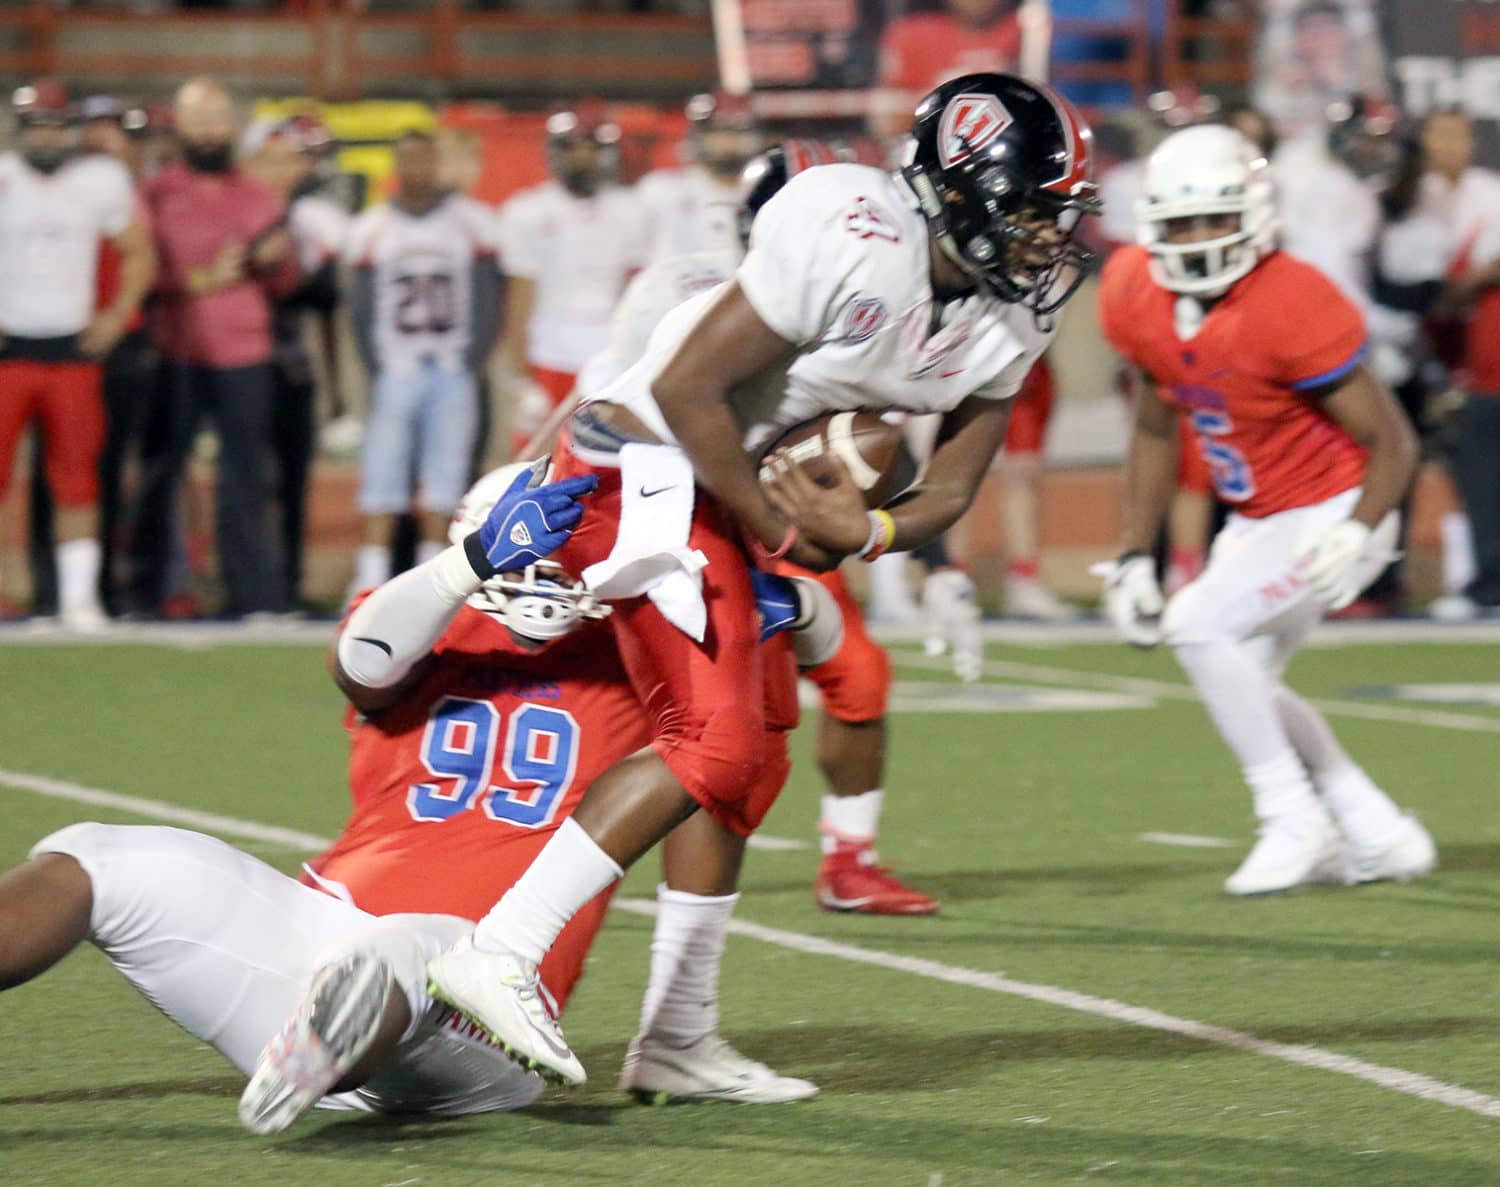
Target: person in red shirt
225 256
925 49
1264 356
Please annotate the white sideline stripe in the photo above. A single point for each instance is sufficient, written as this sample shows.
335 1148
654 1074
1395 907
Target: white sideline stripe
229 826
1170 690
1187 840
1392 1079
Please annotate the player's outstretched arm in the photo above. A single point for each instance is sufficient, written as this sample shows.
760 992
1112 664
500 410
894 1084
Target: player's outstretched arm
380 651
1332 560
729 345
968 439
1150 466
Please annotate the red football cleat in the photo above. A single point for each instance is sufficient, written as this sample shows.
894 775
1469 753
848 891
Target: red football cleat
849 880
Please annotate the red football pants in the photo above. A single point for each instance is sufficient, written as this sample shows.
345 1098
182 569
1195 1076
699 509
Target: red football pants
66 400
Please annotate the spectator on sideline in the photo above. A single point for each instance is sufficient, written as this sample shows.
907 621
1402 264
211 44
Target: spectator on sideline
225 255
1466 199
285 157
567 248
426 309
693 208
56 207
919 51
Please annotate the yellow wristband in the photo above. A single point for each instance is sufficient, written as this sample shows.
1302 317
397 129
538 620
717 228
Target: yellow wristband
882 535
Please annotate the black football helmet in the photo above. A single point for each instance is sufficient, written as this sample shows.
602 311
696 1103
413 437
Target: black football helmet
1003 170
764 176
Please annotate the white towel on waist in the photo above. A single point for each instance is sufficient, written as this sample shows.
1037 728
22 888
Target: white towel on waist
651 556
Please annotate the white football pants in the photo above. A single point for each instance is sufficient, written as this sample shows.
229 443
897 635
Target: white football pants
225 947
1235 628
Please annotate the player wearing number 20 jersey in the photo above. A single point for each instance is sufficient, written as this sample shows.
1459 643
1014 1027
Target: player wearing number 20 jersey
425 310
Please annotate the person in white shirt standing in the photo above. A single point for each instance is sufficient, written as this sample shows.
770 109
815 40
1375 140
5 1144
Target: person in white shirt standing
692 209
425 307
55 209
567 248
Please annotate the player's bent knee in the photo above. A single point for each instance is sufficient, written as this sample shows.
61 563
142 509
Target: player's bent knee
1190 618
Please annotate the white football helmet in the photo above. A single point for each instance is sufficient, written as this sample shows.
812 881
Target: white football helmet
540 603
1205 170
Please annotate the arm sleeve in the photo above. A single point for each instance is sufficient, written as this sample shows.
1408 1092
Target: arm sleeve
399 624
795 272
1322 335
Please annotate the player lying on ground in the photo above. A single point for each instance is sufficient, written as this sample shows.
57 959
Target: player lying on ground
855 683
1264 355
931 291
328 995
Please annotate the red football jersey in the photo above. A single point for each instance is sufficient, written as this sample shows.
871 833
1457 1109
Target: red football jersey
1281 332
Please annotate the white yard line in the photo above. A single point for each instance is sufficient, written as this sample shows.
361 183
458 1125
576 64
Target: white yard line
1392 1079
1187 840
1171 690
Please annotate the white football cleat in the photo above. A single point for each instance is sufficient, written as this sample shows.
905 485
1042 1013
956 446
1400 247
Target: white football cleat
1028 598
86 618
950 613
330 1032
1410 854
1291 850
709 1069
501 994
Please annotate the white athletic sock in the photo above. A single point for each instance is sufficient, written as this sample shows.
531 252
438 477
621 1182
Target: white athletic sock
1239 697
78 574
372 566
851 819
428 549
681 1004
1365 814
569 871
1459 565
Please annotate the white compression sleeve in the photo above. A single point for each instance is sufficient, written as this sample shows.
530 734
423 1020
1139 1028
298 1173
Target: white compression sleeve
398 624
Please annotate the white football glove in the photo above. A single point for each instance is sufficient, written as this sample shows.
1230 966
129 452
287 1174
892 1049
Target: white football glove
1328 559
1132 599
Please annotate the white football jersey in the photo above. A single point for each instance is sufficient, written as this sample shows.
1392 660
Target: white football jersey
423 278
579 252
839 265
689 212
648 298
51 226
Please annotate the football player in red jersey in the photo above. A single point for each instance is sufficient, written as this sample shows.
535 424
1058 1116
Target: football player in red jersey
281 978
1264 356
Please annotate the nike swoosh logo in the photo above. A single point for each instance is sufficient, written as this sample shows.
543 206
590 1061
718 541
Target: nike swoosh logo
950 374
647 494
380 643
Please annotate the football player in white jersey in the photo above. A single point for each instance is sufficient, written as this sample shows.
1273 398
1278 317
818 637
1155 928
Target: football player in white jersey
56 207
931 290
567 247
855 682
426 310
693 208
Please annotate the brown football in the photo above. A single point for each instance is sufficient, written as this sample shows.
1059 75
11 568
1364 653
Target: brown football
873 451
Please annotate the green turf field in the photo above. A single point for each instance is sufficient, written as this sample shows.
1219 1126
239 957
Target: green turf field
1027 823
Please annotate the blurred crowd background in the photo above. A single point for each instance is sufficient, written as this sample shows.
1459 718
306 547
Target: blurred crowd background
280 279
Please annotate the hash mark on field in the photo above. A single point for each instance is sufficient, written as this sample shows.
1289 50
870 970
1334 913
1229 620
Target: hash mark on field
1187 840
1393 1079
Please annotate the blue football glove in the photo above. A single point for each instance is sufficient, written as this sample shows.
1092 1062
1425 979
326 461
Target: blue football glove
777 601
526 525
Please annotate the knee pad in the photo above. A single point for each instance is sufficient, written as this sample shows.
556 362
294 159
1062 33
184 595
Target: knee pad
86 843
